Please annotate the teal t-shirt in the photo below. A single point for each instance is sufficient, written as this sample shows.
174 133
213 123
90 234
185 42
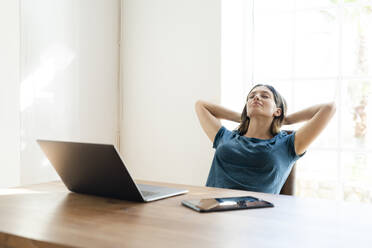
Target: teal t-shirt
251 164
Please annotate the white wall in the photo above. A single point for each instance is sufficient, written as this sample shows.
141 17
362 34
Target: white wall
9 93
170 58
69 77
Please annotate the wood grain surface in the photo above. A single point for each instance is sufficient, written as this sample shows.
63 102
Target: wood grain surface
48 215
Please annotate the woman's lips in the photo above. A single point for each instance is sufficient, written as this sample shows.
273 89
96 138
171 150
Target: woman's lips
256 104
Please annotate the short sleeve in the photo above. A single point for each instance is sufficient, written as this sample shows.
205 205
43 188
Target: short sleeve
291 146
221 136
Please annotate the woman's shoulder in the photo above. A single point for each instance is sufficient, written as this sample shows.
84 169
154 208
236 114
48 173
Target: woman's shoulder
287 132
283 134
285 137
228 131
222 136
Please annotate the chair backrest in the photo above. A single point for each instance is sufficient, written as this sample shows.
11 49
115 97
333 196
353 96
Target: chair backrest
289 185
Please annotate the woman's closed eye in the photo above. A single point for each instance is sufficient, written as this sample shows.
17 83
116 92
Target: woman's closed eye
265 96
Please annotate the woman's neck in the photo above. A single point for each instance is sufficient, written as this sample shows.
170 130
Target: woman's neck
259 128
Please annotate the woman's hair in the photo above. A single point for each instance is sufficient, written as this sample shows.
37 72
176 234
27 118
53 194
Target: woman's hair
278 120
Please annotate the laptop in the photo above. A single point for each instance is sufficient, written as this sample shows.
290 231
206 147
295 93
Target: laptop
98 169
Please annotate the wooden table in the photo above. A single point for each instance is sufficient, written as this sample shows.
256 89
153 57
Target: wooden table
47 215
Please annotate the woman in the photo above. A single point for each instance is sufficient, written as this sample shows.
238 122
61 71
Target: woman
258 156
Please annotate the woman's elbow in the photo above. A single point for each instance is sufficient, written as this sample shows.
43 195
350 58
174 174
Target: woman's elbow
198 103
331 108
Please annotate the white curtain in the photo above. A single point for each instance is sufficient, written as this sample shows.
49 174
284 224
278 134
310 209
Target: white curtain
69 77
312 52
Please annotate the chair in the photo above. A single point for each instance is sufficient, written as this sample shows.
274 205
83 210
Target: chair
289 185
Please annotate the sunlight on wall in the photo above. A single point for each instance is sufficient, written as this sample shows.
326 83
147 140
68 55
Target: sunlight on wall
54 60
69 77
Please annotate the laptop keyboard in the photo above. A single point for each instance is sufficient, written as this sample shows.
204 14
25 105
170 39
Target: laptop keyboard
148 193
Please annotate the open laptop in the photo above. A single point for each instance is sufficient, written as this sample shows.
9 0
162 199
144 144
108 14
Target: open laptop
98 169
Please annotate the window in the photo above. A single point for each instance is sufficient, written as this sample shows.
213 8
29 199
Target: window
312 52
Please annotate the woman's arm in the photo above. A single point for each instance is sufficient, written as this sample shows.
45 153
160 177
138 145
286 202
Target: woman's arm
209 115
317 118
303 115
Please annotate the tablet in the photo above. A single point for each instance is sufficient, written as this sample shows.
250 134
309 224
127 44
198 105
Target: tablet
226 203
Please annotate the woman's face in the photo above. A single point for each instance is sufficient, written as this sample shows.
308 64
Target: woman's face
261 102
